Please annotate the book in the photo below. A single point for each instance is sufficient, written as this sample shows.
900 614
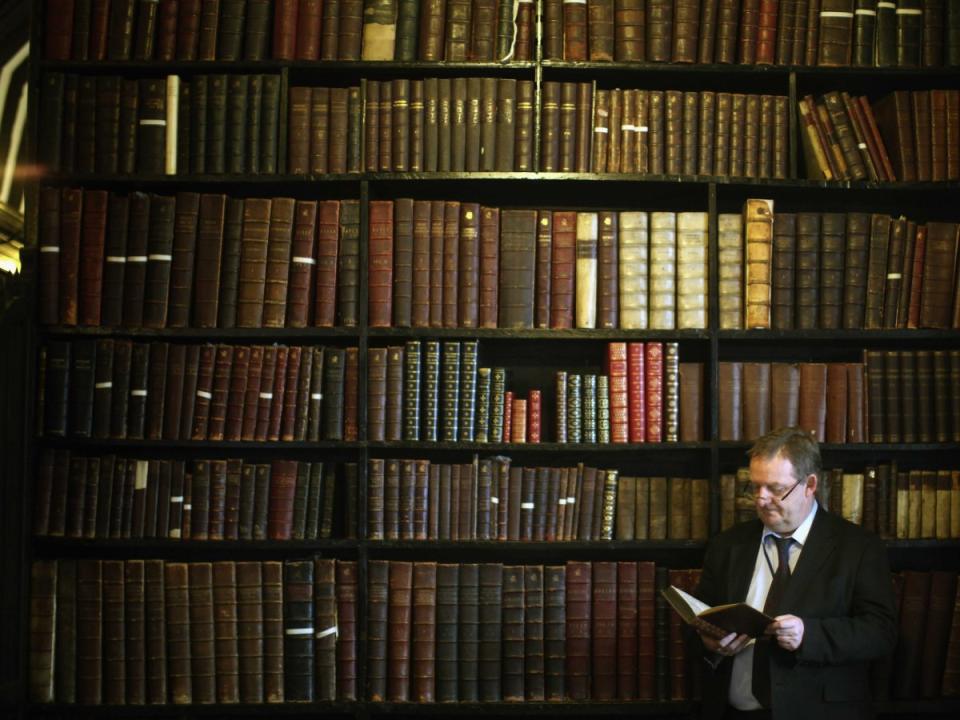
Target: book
720 620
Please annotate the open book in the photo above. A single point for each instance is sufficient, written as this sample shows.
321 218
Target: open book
717 621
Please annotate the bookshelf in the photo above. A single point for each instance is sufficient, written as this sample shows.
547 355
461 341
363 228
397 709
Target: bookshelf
531 354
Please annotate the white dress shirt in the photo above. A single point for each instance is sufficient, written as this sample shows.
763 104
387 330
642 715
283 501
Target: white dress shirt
741 678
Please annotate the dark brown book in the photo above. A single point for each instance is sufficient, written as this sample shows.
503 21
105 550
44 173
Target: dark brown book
209 252
517 268
273 634
250 631
159 258
253 262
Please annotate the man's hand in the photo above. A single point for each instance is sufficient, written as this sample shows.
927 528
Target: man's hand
728 645
787 630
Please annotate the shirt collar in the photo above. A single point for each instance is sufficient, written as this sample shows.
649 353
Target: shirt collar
800 534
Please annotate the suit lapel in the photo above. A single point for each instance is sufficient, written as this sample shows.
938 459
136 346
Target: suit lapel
743 558
819 546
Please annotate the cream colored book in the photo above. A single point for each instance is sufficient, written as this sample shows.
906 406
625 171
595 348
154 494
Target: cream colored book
586 289
634 269
663 270
851 500
730 270
758 233
692 305
173 111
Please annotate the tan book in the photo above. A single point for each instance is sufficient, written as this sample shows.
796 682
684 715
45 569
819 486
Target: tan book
758 231
663 270
658 509
728 500
903 506
730 270
641 520
586 269
928 504
745 507
914 504
692 307
633 270
173 113
678 523
699 508
626 507
851 501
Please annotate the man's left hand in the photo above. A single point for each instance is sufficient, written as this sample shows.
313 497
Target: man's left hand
787 630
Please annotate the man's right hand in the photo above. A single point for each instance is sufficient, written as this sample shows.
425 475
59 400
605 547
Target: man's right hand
727 646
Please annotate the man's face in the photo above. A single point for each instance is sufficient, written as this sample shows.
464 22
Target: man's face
782 503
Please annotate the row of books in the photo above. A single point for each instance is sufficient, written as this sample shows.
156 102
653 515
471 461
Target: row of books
446 124
201 260
115 497
208 124
913 396
137 632
460 264
119 389
830 33
228 30
906 135
676 132
834 270
492 499
323 130
904 504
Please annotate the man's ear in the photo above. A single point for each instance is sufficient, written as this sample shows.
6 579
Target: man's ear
811 484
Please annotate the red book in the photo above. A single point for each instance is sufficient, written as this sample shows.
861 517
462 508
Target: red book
562 273
654 386
616 370
264 393
283 482
533 416
308 29
489 266
251 401
290 394
636 393
507 416
94 230
285 29
380 259
518 427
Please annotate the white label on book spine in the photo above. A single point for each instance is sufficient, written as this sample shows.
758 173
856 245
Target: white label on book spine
266 396
563 501
865 11
204 394
838 14
601 130
304 260
49 248
103 386
494 500
136 258
316 396
894 276
909 11
328 631
175 533
571 500
138 393
526 506
116 258
159 257
300 631
161 123
176 499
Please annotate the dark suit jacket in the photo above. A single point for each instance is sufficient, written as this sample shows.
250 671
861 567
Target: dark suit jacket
841 589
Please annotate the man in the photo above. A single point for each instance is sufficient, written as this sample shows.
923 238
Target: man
832 600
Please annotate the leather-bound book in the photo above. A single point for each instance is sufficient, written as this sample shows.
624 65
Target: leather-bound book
378 573
767 36
209 252
225 627
924 134
380 271
859 291
808 270
837 403
633 267
785 395
273 635
278 250
137 406
691 402
686 31
226 303
629 31
490 645
756 399
407 26
350 30
730 408
659 30
894 119
120 390
376 393
513 629
253 261
608 272
249 631
351 397
600 22
349 261
298 132
106 129
749 24
534 660
458 22
864 33
82 383
583 111
517 268
223 364
834 47
278 385
203 393
874 365
431 40
877 270
49 262
909 33
177 607
347 599
159 260
269 124
147 580
832 241
431 391
728 18
49 675
298 617
692 270
102 389
939 133
333 394
914 607
186 216
151 137
329 29
394 394
328 228
813 399
423 644
399 612
71 205
783 267
916 276
758 226
575 30
587 236
202 639
579 596
411 391
938 275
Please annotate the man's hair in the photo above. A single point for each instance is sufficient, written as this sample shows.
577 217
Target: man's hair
793 444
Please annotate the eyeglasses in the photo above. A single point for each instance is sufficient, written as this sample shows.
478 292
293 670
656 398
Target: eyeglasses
752 492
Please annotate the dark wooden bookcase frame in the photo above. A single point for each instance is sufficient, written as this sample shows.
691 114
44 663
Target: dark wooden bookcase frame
512 189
